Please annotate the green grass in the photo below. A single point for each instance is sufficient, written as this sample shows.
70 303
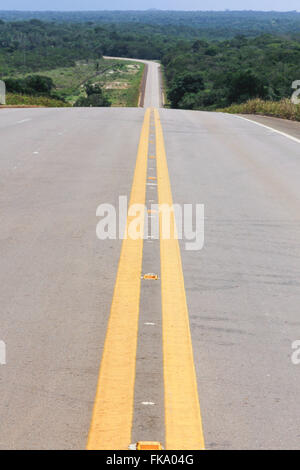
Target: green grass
284 109
119 79
165 88
13 99
127 79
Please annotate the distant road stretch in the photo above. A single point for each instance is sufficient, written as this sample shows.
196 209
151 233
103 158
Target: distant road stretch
153 92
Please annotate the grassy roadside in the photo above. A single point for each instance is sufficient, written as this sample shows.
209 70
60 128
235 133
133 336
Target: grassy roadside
122 87
23 100
284 109
120 81
166 103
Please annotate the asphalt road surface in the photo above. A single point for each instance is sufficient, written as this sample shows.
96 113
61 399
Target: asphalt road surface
153 91
70 302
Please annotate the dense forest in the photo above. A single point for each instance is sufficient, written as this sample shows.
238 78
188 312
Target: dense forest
208 24
233 71
211 60
35 45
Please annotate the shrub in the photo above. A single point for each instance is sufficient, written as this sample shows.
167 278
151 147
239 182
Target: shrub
31 85
94 98
13 99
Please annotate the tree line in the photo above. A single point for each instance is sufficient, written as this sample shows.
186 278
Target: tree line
206 24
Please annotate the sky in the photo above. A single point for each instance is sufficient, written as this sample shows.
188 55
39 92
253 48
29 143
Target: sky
67 5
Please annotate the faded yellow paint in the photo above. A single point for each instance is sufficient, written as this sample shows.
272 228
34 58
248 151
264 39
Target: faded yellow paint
182 410
113 409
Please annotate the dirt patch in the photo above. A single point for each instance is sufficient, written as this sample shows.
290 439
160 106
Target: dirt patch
116 86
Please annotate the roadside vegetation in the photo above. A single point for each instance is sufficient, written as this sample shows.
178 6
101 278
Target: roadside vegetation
14 99
282 109
94 98
118 82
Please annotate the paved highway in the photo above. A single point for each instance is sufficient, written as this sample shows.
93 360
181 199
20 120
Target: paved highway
153 89
70 302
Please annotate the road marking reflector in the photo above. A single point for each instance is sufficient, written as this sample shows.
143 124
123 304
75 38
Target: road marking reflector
149 446
146 446
150 277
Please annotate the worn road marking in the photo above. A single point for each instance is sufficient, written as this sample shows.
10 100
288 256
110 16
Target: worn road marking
182 410
23 120
113 409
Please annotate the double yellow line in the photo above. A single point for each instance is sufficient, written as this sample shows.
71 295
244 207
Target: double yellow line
114 404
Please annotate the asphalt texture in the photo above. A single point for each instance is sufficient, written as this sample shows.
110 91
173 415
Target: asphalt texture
57 279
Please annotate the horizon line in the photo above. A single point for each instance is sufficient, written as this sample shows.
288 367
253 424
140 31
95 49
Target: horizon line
147 9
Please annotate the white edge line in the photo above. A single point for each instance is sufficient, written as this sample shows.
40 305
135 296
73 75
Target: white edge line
267 127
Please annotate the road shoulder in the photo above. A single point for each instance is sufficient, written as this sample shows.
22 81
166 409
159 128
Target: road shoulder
282 125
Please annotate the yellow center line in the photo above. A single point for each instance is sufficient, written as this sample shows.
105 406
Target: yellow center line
113 409
183 425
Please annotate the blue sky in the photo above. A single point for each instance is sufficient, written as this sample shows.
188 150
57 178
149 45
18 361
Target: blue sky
280 5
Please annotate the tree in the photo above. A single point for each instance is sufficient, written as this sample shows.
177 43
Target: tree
39 84
185 83
94 98
245 85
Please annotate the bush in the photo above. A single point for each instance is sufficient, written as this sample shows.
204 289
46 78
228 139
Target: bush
32 85
94 98
245 85
188 83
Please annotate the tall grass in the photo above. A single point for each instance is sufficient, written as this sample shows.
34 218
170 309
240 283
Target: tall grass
133 92
13 99
284 109
129 96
